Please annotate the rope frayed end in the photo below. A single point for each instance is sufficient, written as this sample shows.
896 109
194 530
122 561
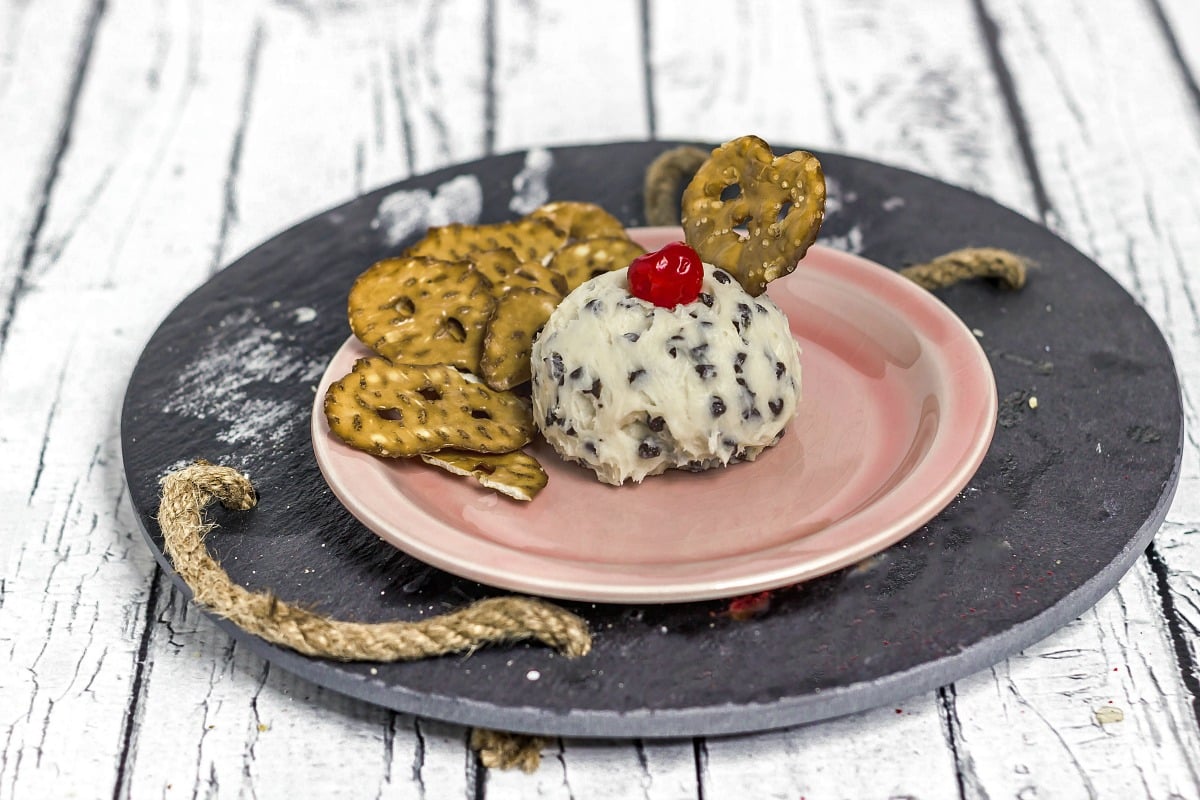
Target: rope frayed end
1008 270
503 750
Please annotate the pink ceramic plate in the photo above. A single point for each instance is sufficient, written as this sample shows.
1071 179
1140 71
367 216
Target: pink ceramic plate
899 408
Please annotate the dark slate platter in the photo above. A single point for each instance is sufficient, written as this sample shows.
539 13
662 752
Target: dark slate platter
1068 496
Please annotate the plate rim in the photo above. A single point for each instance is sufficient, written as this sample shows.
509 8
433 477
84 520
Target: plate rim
692 589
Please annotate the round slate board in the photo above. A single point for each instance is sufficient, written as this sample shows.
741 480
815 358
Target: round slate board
1069 495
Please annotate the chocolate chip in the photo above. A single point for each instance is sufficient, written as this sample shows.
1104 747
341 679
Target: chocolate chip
637 373
717 406
752 413
738 360
730 443
776 406
698 351
571 431
632 336
706 371
672 352
649 449
590 447
556 368
676 338
760 308
575 373
594 305
743 320
706 323
721 276
656 424
706 298
595 390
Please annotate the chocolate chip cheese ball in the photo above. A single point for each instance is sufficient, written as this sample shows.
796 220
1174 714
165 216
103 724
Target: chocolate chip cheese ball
630 388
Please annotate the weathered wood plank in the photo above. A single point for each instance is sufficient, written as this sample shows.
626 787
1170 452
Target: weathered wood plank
1179 21
310 113
45 52
1140 222
568 73
349 98
865 77
176 157
840 758
68 544
1053 719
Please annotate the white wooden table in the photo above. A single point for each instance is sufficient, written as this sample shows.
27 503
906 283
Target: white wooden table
144 145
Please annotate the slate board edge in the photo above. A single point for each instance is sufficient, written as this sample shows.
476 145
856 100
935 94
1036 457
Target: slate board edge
714 720
726 718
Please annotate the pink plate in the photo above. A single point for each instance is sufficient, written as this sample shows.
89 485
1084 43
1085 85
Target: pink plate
899 408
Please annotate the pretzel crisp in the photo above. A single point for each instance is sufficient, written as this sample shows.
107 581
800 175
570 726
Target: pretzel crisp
505 272
519 315
399 410
422 311
582 261
780 200
580 220
516 474
529 238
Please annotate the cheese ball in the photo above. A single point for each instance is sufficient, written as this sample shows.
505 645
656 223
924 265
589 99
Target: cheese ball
631 389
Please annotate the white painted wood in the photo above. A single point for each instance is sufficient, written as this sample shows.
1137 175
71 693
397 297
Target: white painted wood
347 99
898 751
1055 718
203 128
41 47
568 73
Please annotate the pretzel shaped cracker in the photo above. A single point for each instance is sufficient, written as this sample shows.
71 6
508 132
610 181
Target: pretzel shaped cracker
530 239
516 474
580 220
400 410
780 200
422 311
582 261
519 315
505 271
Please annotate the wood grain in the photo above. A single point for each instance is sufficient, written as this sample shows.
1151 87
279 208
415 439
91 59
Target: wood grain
147 144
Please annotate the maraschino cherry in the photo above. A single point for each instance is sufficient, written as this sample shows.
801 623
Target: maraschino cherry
667 277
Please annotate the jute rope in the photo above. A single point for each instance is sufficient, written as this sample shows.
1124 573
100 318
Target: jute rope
672 169
503 750
186 492
1008 269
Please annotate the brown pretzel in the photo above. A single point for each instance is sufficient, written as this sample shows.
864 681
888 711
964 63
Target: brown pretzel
421 311
781 201
403 410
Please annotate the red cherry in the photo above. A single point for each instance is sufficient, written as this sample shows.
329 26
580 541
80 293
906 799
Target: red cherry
667 277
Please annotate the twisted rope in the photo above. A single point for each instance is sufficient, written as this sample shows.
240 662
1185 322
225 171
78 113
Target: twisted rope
186 492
